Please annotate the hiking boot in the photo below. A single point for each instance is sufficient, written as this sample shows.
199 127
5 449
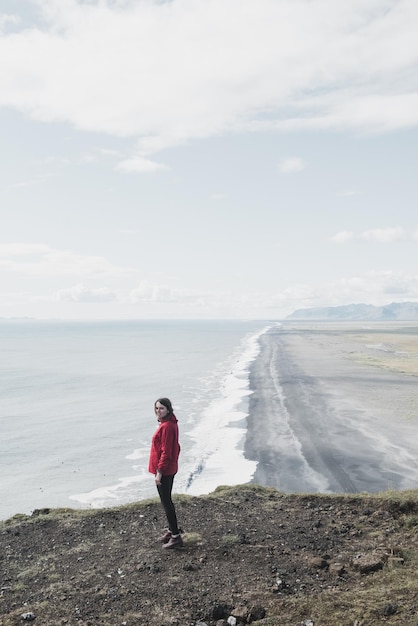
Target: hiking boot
174 542
166 537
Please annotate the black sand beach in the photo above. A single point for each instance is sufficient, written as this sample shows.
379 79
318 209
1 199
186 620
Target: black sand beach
335 408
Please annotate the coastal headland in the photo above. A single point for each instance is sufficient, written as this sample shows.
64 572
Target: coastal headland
335 407
251 555
334 412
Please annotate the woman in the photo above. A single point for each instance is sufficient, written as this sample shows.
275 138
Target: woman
163 463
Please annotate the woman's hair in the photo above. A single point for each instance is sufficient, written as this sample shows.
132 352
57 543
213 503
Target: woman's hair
165 402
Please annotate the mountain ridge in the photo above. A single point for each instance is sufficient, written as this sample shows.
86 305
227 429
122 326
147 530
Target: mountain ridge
396 311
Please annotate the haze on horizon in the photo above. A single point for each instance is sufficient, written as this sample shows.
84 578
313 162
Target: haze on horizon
195 159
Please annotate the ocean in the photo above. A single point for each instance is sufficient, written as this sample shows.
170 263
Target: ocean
76 412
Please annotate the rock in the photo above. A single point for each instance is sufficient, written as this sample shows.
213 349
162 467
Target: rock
38 512
389 609
395 561
256 613
189 567
221 611
337 569
318 562
232 621
368 563
240 612
279 586
28 617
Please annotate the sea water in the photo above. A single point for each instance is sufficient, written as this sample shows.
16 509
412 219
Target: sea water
76 408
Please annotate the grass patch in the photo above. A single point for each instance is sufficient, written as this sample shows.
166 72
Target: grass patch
230 540
192 539
411 521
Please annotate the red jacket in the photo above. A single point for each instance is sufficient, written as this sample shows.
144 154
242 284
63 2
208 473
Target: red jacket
165 448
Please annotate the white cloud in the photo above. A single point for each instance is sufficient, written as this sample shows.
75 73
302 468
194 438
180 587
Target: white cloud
6 20
169 72
379 235
159 300
384 235
99 154
15 298
141 164
291 165
350 110
43 260
374 287
148 292
81 293
40 179
343 236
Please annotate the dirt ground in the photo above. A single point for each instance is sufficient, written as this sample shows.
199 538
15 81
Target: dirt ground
249 552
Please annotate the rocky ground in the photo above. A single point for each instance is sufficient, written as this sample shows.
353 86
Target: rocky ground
251 555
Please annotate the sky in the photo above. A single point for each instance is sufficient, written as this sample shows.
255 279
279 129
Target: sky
206 158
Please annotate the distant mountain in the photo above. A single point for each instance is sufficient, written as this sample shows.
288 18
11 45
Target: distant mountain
397 311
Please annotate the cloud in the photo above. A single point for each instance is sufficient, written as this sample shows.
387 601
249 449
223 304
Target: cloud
291 165
98 154
170 72
8 20
350 110
141 164
81 293
379 235
374 287
384 235
343 236
43 260
32 182
148 292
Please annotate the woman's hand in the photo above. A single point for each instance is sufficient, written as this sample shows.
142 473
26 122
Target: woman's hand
158 477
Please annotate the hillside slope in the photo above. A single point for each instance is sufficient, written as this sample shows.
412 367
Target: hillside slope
396 311
251 552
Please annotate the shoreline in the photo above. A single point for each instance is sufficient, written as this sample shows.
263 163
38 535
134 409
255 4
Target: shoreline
334 407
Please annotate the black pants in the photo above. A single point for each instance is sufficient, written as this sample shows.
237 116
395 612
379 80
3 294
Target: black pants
164 491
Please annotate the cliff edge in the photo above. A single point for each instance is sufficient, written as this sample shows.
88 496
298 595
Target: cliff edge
251 555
